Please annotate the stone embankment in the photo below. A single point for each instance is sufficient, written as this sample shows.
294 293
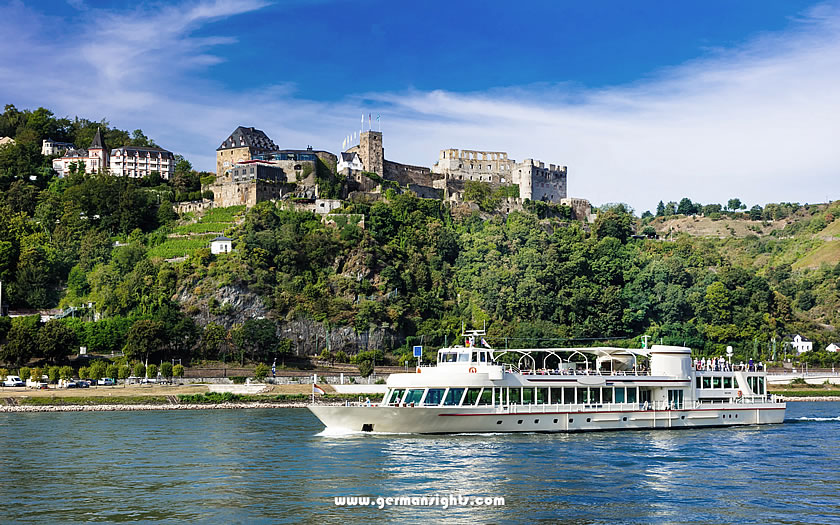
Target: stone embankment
195 406
810 398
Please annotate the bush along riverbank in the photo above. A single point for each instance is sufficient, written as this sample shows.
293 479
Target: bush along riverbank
179 402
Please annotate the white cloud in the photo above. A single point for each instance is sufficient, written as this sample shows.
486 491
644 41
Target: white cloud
759 121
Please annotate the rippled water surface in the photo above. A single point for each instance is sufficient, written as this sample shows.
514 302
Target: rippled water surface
276 466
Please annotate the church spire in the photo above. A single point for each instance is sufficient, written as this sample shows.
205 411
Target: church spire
97 141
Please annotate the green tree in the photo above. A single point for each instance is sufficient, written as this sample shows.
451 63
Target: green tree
112 371
139 370
166 370
66 372
660 209
56 340
97 370
178 371
22 340
613 224
152 371
144 338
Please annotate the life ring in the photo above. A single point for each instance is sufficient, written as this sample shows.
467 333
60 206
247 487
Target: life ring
472 369
740 394
699 366
418 369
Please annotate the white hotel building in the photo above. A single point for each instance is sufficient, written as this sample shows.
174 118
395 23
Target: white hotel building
127 161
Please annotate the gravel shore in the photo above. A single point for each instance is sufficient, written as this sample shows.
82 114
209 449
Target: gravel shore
111 408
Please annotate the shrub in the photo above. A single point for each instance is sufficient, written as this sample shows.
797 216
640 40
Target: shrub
178 370
54 374
238 380
166 370
65 372
365 368
341 357
140 370
152 371
260 371
25 372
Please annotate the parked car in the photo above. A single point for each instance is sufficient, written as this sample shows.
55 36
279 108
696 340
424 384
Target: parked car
82 383
71 384
13 381
106 381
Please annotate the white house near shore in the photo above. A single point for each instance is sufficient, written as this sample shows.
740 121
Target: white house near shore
802 344
221 244
832 347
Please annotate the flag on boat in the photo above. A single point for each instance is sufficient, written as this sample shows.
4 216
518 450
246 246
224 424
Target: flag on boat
467 342
484 343
317 389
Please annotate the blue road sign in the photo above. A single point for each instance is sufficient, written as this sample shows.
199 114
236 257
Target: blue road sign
418 351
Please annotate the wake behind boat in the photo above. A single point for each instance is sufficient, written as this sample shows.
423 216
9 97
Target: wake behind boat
575 390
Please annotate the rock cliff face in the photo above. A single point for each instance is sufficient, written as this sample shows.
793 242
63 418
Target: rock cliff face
233 304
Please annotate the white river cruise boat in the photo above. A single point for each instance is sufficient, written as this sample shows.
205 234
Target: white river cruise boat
586 389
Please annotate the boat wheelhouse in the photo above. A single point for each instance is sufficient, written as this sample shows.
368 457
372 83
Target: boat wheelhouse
471 389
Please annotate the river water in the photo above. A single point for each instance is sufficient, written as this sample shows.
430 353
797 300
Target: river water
277 466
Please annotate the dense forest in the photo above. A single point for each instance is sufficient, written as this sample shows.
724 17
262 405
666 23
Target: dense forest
106 249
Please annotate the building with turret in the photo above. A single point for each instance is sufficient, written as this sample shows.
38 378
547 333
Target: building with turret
536 181
126 161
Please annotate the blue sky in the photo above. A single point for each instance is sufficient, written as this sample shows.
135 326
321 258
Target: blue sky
641 100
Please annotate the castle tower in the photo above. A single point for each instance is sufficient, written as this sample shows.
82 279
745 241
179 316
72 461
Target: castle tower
371 152
97 154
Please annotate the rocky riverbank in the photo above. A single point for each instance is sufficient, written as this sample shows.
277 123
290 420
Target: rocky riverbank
123 407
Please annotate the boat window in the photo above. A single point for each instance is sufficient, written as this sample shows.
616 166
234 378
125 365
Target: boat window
619 394
716 382
607 395
448 357
396 395
595 395
472 396
583 395
556 396
483 357
486 397
414 396
761 386
699 382
433 397
727 382
631 394
475 357
569 396
707 382
464 358
542 396
527 396
453 397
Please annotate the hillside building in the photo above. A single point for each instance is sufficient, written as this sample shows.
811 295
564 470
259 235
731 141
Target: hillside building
50 147
126 161
243 144
6 140
535 180
138 162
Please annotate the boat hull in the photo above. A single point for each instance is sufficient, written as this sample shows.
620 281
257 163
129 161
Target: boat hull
439 420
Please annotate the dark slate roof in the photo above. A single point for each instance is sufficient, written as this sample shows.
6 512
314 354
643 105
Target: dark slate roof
252 138
76 153
97 141
348 157
221 238
143 149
